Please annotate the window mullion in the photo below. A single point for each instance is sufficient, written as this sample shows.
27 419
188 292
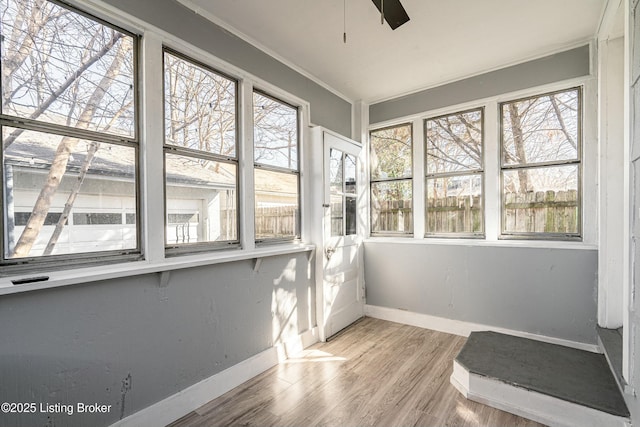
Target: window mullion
419 194
245 147
492 172
151 148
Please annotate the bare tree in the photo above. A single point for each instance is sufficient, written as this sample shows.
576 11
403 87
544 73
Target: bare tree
540 130
62 68
275 132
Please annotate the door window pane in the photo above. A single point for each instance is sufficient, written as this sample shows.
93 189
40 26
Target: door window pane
351 215
350 182
337 218
336 171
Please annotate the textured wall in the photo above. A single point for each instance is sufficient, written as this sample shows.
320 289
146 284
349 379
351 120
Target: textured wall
543 291
130 342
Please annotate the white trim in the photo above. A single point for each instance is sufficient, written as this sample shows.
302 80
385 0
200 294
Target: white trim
607 20
135 268
491 146
480 102
629 367
152 195
419 176
151 155
246 170
530 404
543 244
180 404
462 328
610 54
233 30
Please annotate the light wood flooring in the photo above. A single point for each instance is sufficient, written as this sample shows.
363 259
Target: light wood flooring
375 373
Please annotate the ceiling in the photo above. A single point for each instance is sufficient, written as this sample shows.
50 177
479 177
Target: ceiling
445 40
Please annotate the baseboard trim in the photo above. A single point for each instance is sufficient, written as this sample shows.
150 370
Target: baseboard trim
530 404
180 404
462 328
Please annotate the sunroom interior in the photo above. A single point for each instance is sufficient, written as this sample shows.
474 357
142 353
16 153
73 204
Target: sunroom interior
196 192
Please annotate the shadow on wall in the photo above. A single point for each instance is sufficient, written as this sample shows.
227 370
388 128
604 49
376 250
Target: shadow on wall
129 343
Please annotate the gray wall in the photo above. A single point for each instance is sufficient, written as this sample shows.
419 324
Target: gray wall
561 66
327 109
83 343
550 292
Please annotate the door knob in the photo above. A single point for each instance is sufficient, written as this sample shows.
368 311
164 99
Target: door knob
329 251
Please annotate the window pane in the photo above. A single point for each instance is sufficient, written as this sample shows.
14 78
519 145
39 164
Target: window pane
76 72
541 200
21 218
541 129
94 179
391 153
350 182
94 218
200 107
200 200
351 215
276 204
336 171
454 204
275 132
454 142
391 207
337 219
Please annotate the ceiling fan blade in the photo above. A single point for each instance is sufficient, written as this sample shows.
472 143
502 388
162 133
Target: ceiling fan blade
394 13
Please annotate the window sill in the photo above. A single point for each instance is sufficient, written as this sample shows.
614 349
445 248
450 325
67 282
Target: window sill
135 268
544 244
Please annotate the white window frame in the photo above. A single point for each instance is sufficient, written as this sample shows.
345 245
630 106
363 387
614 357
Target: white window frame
185 248
492 201
266 167
13 266
468 172
408 233
532 166
150 184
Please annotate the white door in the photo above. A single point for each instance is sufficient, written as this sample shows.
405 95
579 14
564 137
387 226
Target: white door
342 284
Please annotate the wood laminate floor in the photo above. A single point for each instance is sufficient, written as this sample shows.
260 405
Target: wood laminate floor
375 373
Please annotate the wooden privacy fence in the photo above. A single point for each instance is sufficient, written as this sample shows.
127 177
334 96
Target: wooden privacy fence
542 211
534 211
454 214
393 215
272 221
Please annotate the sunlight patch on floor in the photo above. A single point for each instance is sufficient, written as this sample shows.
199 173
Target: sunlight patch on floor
467 414
314 356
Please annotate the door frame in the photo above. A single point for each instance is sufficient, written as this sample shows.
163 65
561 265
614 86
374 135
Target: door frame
316 206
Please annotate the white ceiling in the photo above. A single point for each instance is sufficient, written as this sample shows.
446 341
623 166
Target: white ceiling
445 40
